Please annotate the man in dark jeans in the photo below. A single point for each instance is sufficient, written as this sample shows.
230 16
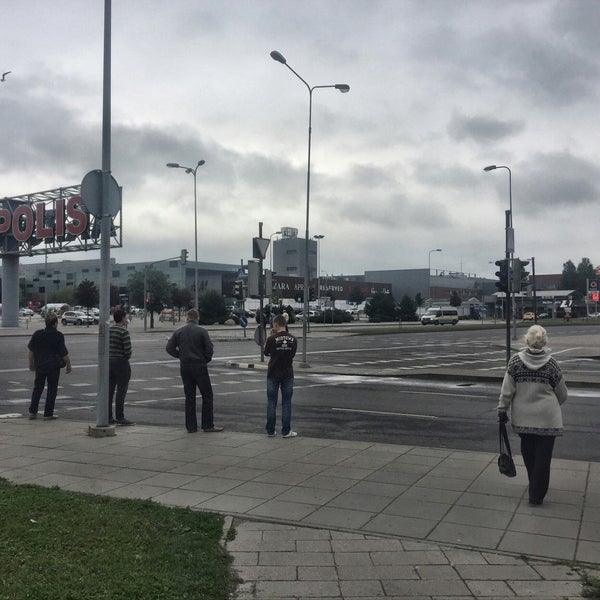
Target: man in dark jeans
192 346
119 369
281 348
47 354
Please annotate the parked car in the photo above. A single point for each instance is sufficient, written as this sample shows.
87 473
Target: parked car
529 316
311 314
76 317
543 315
25 312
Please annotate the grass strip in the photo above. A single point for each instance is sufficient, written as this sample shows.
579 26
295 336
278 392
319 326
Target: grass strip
61 545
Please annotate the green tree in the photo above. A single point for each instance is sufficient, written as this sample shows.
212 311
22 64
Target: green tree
159 290
212 308
568 278
381 308
419 299
455 299
86 294
182 299
407 309
585 271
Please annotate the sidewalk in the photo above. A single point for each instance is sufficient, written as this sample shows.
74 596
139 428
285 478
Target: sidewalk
327 519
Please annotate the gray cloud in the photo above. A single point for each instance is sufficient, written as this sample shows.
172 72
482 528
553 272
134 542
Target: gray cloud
482 129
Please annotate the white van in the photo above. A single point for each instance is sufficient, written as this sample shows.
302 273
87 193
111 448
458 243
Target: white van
440 316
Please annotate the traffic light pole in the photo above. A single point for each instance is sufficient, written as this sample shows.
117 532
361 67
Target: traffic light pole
508 256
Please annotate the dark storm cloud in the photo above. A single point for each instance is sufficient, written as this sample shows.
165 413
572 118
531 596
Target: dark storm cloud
482 129
557 182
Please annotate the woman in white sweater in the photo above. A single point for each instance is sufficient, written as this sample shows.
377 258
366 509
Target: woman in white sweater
533 391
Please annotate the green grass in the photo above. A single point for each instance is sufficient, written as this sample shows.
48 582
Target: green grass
57 545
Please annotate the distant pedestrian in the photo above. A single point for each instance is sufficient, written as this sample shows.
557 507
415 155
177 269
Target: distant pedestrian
119 369
533 391
47 355
192 346
281 348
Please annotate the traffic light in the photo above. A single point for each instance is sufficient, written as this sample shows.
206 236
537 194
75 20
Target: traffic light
311 294
523 274
520 275
502 274
238 290
184 256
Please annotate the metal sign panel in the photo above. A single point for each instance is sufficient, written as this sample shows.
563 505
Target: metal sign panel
51 222
260 247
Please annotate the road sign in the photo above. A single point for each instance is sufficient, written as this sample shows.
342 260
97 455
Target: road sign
91 193
260 247
243 322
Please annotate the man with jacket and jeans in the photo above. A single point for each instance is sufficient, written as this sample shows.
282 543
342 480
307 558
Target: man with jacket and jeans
192 346
119 369
281 348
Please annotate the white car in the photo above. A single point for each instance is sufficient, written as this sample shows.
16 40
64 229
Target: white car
76 317
25 312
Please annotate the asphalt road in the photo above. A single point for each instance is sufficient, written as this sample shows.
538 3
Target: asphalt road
383 409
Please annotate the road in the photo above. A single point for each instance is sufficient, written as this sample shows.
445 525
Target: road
384 409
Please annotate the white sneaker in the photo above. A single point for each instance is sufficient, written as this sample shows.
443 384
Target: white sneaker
290 434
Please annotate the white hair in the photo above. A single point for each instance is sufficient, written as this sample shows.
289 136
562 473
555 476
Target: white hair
536 337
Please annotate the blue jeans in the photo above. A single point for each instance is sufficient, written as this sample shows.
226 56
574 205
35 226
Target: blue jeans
287 389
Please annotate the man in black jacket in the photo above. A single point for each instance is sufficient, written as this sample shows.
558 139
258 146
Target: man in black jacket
47 354
192 346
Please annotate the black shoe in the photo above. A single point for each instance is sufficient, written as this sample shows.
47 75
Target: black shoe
213 429
535 502
112 421
192 430
124 422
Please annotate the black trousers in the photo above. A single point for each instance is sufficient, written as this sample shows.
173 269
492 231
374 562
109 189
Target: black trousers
42 378
197 377
537 456
119 374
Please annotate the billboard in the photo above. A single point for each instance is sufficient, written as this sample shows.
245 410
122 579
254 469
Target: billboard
51 222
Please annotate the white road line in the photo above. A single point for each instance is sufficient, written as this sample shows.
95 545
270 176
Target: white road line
378 412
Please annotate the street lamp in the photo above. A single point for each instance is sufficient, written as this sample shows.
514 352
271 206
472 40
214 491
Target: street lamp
344 88
319 238
193 172
509 255
429 274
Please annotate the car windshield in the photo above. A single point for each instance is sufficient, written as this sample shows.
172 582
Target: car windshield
433 312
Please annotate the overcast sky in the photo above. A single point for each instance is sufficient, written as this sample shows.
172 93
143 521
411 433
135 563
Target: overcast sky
439 90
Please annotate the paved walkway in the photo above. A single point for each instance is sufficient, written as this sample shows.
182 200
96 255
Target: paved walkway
327 519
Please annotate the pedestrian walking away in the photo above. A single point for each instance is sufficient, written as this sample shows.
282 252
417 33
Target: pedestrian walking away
119 369
47 355
281 348
533 391
191 344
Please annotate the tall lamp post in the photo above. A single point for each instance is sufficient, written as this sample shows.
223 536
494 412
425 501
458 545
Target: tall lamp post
429 274
193 172
509 255
344 88
319 238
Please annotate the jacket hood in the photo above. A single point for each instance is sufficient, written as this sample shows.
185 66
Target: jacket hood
534 359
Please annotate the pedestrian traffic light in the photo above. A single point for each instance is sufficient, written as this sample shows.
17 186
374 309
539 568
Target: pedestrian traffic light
502 274
238 289
184 256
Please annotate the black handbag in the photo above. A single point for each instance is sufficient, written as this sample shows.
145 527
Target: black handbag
506 464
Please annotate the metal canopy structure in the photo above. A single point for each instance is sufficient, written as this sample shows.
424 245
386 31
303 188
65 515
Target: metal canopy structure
52 222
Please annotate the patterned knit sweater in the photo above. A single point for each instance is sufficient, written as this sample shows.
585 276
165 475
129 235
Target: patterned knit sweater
533 390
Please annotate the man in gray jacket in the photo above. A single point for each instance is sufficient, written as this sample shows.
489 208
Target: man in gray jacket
192 346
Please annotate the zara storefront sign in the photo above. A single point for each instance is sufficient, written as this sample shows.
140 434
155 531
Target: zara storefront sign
59 218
